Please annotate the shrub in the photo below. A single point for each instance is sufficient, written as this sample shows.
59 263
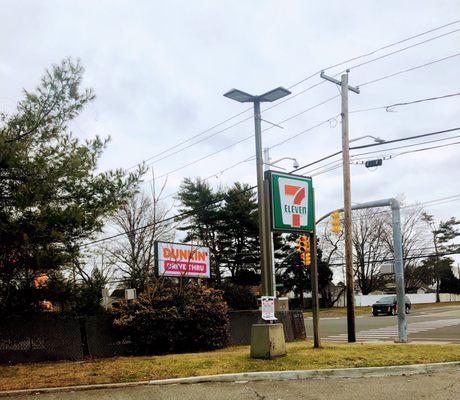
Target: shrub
239 297
168 319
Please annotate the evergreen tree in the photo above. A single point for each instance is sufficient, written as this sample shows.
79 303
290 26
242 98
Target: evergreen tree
443 234
203 219
239 232
51 196
227 222
297 276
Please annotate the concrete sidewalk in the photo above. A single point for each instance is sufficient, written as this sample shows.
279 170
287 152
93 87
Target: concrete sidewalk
431 386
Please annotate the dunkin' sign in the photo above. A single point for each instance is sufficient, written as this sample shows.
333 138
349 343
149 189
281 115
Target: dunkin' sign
291 202
177 259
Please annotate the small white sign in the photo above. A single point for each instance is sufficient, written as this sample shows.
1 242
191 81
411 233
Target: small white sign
268 308
130 294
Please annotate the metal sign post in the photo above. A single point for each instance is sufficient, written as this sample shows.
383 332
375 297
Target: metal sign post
293 210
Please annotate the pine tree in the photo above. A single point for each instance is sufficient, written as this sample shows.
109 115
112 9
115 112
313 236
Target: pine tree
203 219
51 196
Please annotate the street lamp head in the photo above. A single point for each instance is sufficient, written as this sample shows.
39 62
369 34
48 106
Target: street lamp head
295 165
243 97
275 94
239 95
379 140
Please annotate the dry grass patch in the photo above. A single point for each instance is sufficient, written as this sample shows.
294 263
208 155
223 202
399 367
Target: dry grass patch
230 360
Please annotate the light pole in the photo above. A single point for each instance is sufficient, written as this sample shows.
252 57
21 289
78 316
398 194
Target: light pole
262 189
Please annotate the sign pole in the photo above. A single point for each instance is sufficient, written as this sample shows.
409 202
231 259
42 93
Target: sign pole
314 291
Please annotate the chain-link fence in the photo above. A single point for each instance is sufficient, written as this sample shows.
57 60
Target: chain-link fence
52 337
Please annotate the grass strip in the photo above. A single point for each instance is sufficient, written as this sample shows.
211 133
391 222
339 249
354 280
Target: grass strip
301 355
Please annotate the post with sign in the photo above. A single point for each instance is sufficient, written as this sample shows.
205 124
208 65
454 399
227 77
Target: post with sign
293 210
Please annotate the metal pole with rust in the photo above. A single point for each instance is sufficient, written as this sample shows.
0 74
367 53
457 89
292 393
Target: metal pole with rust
314 285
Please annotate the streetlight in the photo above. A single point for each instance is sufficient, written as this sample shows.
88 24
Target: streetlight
268 162
376 139
262 189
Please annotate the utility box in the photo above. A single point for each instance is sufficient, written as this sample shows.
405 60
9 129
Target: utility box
282 304
267 341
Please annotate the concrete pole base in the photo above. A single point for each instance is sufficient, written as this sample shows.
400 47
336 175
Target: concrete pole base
401 341
267 341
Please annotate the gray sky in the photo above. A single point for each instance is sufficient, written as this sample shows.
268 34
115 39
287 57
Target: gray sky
159 69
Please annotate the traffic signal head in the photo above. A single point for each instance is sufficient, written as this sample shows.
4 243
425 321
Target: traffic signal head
302 244
306 258
335 222
303 247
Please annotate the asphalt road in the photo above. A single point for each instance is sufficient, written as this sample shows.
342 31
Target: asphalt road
433 325
436 386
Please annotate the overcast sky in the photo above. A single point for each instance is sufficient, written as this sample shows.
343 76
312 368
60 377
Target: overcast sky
159 69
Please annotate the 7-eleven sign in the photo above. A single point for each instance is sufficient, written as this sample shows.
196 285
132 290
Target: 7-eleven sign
292 205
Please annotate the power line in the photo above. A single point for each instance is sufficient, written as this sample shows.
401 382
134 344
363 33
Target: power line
338 152
376 51
378 144
251 136
406 146
409 69
327 100
405 138
448 253
401 50
389 108
296 115
183 214
308 78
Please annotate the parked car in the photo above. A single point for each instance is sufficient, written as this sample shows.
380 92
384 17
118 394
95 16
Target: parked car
388 305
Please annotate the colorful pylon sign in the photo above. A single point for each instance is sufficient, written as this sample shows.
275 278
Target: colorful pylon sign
292 202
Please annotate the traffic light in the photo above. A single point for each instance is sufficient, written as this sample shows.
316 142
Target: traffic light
335 222
303 247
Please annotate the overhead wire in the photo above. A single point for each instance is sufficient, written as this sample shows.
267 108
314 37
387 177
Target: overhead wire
353 156
409 70
389 107
306 79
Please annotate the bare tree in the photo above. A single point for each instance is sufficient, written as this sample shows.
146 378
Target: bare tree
370 248
331 246
142 220
93 267
415 242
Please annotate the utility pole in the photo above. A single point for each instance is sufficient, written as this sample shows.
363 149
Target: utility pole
343 83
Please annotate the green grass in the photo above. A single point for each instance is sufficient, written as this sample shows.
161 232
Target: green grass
301 355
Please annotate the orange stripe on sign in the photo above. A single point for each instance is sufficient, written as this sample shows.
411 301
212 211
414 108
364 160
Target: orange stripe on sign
295 220
299 196
291 190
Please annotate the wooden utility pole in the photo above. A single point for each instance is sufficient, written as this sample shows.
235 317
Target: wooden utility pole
343 83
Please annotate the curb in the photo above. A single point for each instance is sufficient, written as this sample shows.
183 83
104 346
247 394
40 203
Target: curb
315 373
258 376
